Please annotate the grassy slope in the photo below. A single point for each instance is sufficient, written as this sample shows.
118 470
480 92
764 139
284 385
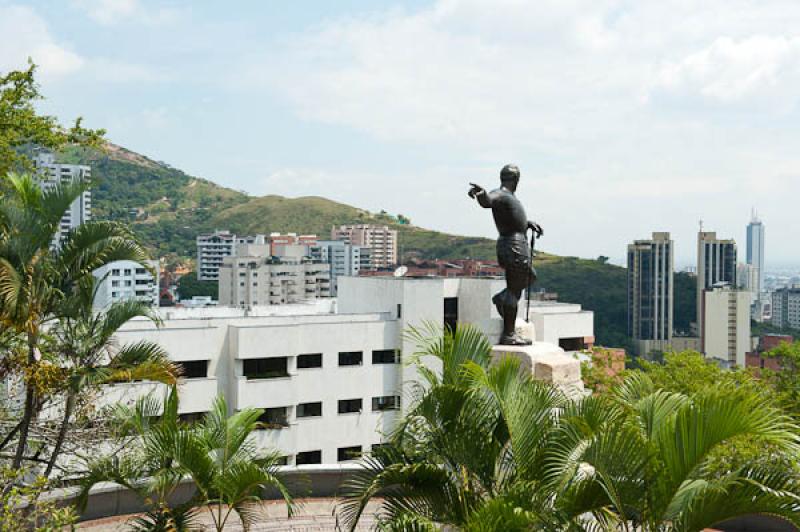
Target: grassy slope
168 208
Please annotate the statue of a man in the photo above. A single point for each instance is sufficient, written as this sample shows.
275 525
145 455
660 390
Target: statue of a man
513 250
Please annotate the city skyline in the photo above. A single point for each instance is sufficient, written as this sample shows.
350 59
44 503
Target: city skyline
631 117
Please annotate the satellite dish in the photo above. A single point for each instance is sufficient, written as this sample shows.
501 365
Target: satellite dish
401 271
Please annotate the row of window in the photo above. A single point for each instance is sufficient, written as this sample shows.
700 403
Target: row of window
273 367
343 454
128 271
278 417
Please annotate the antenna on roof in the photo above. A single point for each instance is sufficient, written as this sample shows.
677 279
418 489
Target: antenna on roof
401 271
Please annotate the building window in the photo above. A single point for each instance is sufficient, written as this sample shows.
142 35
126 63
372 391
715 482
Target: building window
386 402
309 409
192 417
385 356
350 406
282 460
343 454
451 312
266 368
399 311
308 457
193 369
127 271
115 271
378 446
351 358
140 271
275 418
311 360
115 283
128 282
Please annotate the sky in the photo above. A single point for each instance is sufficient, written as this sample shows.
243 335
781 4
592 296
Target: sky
624 116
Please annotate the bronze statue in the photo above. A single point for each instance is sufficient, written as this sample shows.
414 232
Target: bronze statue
513 251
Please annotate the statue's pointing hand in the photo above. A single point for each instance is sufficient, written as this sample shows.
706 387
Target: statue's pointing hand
536 228
475 190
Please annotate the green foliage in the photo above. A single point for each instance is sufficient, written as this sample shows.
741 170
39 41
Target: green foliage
189 286
485 447
21 126
786 381
22 508
218 454
690 372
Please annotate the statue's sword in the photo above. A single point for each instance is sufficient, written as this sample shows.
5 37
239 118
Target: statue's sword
530 270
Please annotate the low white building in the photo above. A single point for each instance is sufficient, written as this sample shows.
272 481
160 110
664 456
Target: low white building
329 373
726 325
345 259
125 279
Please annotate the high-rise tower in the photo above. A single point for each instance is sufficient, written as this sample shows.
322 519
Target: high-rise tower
716 266
755 251
651 292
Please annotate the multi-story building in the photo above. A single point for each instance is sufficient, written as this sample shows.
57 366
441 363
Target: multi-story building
214 247
716 265
258 280
381 240
331 383
786 307
344 259
52 173
651 292
125 279
279 242
726 325
755 252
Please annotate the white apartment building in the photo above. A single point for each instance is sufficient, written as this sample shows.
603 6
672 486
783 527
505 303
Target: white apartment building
125 279
344 259
328 374
726 325
52 173
786 307
263 280
214 247
381 241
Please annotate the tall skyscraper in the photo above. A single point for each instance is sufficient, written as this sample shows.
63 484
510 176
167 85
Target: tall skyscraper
51 174
716 266
651 292
381 241
755 251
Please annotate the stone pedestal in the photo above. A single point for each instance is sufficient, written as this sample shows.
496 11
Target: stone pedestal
546 362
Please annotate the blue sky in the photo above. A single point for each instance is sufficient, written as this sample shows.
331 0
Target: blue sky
625 117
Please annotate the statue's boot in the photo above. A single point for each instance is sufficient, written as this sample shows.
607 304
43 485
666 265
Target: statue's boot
514 339
498 300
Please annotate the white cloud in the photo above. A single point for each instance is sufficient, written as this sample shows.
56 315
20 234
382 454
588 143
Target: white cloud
110 12
25 35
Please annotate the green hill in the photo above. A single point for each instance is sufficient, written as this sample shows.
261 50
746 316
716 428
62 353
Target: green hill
168 208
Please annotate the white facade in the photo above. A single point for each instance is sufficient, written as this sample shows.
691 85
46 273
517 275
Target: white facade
124 279
755 252
381 241
726 325
289 358
214 247
52 173
344 259
254 281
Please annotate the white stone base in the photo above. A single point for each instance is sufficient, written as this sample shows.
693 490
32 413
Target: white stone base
546 362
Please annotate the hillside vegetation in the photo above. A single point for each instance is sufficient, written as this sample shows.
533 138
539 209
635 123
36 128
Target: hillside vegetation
168 208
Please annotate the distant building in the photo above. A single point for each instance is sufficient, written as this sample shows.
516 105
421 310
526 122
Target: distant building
786 308
726 325
124 280
716 265
52 173
344 259
258 280
381 240
278 243
755 252
214 247
651 299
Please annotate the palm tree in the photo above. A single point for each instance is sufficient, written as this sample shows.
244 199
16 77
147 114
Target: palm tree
218 454
83 340
484 447
36 276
